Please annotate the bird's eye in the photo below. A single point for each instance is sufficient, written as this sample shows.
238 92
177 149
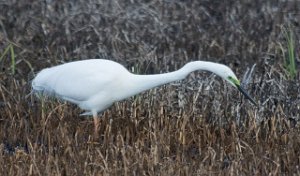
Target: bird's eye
230 78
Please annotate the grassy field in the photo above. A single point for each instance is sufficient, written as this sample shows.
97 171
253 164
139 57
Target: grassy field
199 126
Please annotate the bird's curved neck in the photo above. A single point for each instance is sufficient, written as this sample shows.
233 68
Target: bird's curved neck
140 83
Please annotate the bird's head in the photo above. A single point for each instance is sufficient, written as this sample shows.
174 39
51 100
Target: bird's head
227 74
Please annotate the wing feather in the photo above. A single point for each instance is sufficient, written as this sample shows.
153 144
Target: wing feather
78 81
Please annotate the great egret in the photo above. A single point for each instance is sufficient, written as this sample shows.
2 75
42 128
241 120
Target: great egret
95 84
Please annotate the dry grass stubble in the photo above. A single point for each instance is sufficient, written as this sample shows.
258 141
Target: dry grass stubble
199 126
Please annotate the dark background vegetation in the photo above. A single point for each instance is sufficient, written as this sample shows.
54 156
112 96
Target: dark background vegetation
199 126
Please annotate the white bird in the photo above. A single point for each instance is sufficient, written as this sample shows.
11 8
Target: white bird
95 84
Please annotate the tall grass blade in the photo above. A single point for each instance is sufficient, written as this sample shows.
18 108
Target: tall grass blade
13 60
289 62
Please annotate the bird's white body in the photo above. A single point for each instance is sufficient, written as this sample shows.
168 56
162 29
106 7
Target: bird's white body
96 84
92 84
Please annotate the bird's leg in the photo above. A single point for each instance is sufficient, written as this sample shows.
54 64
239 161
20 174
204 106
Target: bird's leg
97 126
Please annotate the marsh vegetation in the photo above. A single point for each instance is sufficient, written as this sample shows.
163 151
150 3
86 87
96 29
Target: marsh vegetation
199 126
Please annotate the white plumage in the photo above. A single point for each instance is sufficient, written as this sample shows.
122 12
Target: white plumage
96 84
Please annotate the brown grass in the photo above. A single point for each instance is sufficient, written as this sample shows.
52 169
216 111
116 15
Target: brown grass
200 126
